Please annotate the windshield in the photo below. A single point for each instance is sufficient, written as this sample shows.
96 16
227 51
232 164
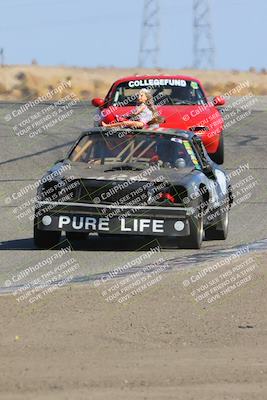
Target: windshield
134 149
165 92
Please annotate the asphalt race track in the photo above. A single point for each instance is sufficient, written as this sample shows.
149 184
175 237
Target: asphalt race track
24 160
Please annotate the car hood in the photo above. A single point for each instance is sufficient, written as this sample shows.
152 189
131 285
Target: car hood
78 170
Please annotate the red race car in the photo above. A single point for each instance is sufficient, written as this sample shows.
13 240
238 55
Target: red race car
180 100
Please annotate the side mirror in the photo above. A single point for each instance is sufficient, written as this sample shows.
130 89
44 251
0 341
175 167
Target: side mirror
218 101
97 102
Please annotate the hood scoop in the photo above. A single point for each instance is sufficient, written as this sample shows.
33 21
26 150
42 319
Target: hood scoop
124 167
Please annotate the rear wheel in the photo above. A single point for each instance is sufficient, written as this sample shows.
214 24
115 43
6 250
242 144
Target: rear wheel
45 239
218 157
73 236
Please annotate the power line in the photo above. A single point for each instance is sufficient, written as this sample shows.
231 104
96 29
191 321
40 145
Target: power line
150 35
203 47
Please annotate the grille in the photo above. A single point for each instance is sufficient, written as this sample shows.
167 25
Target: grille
118 192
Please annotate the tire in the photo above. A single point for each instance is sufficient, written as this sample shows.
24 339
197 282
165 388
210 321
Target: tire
194 241
73 236
218 157
45 239
220 230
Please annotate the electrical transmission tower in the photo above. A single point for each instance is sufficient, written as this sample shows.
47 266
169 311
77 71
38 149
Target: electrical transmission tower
204 51
149 44
2 56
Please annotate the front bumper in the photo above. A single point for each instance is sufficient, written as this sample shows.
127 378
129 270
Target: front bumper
109 219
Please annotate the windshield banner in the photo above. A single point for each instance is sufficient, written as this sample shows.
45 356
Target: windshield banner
157 82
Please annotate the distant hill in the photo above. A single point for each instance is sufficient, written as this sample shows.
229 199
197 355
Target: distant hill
26 82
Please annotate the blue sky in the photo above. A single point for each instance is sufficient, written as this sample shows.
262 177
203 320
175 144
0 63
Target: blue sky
92 33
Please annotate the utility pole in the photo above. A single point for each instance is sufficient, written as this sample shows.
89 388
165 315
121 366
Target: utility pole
2 56
203 48
150 35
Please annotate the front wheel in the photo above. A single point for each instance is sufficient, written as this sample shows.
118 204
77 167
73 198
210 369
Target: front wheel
218 157
220 230
194 241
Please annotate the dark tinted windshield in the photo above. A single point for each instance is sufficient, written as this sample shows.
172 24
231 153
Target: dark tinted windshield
165 92
170 152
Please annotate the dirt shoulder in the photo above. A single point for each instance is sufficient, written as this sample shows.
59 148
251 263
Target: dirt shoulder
161 344
27 82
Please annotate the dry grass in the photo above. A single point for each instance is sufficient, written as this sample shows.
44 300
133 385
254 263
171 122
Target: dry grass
28 82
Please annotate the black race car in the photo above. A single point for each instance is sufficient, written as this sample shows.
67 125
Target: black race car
157 182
